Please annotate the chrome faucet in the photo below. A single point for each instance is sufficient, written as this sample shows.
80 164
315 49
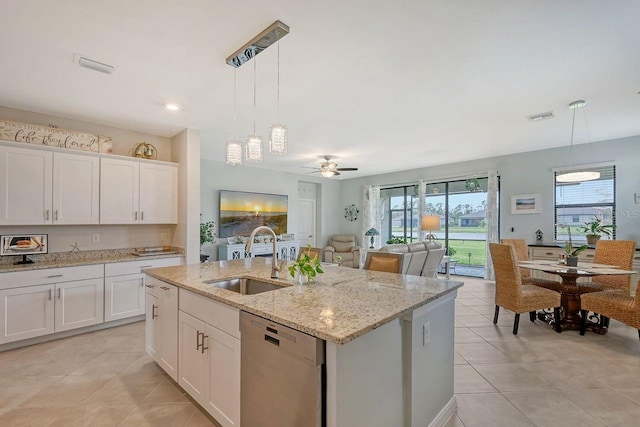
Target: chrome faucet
275 268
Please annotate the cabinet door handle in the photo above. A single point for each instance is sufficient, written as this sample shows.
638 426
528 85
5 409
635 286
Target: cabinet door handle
153 311
150 286
203 347
145 266
164 288
197 340
136 215
55 215
58 293
55 275
549 253
590 255
49 294
46 214
142 216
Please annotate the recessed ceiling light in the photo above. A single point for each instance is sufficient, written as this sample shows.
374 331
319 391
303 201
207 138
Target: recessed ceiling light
171 106
541 116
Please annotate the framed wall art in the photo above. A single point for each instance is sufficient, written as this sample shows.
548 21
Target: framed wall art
525 204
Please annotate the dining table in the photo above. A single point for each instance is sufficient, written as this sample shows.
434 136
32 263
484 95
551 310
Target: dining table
571 289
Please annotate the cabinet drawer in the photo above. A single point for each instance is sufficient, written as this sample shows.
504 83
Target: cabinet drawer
50 275
215 313
545 253
136 267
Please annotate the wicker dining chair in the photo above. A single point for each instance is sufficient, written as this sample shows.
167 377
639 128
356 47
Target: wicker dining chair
522 254
510 292
618 253
611 304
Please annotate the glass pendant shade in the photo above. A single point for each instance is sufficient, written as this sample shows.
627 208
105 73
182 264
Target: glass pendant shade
579 176
278 139
327 173
234 152
253 148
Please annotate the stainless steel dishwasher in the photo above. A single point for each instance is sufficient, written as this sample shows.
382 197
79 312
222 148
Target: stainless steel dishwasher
282 375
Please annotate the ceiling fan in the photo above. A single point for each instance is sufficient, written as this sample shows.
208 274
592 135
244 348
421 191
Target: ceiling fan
329 168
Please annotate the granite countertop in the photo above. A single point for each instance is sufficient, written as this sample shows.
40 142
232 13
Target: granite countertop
73 259
341 305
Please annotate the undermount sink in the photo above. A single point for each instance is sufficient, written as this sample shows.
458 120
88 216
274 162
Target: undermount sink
245 286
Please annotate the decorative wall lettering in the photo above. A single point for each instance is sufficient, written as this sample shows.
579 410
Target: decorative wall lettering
48 136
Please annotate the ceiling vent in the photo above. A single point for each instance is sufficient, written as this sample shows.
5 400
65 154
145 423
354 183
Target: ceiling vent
541 116
95 65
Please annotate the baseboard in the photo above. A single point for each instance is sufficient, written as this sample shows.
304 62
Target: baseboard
449 409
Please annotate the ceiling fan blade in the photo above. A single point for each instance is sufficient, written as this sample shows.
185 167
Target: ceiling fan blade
310 167
336 173
347 169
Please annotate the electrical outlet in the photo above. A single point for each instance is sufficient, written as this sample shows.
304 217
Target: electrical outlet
426 333
96 238
163 236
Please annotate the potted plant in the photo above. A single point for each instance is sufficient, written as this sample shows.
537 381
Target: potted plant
207 235
305 267
595 229
572 253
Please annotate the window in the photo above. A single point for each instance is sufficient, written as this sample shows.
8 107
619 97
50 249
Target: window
402 221
579 202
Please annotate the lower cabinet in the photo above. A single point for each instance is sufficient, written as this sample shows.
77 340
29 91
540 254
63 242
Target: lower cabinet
41 302
209 357
124 288
161 337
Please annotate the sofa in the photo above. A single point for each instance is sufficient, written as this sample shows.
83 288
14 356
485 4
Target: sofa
420 258
344 245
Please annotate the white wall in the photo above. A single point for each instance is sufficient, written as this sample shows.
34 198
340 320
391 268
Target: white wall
111 236
527 173
216 176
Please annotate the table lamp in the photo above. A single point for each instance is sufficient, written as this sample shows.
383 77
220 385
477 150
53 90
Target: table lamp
430 223
372 232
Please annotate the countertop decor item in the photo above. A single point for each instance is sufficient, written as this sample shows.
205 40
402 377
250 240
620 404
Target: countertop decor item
145 150
595 229
373 233
351 213
306 267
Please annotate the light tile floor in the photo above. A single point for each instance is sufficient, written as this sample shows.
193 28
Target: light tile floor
537 378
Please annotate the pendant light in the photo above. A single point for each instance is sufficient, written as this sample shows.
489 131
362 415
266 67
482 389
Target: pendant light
253 143
278 132
234 147
576 175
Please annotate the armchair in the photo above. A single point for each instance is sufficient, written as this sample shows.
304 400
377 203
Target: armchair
345 246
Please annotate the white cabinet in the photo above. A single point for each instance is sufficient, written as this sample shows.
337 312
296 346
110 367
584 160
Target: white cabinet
78 304
209 356
76 189
26 312
25 186
124 287
41 187
40 302
286 250
162 325
135 192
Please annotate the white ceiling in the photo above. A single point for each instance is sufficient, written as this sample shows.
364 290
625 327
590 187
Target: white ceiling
383 85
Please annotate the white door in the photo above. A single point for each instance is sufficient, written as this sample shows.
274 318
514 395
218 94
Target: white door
123 296
76 189
25 186
119 191
152 327
26 312
192 358
223 401
79 303
306 220
168 354
158 194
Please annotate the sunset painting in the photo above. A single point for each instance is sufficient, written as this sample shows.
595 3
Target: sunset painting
241 212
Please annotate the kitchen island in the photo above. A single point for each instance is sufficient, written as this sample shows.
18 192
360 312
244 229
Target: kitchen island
389 338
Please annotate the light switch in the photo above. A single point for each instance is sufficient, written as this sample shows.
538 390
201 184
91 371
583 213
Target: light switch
426 333
96 238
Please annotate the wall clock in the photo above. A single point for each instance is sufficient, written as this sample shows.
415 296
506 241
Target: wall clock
351 213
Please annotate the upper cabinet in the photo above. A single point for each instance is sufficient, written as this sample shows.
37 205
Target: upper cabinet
138 192
42 187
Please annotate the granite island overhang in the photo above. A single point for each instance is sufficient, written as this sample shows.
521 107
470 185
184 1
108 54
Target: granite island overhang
389 337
